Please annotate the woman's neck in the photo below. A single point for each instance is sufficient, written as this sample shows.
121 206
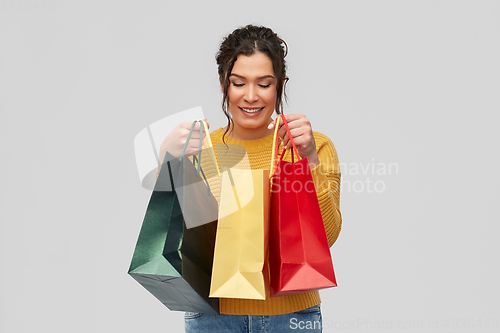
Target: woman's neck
240 133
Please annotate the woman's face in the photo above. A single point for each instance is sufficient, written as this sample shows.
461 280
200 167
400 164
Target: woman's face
252 96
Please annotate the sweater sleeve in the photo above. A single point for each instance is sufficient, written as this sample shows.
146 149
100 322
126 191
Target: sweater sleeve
326 177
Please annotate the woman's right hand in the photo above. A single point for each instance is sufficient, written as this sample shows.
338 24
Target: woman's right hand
174 142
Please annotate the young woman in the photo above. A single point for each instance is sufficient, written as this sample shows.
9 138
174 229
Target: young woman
252 74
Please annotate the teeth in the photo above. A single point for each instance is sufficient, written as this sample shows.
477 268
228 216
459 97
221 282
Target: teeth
252 110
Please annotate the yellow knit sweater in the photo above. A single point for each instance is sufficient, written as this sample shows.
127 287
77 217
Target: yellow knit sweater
256 154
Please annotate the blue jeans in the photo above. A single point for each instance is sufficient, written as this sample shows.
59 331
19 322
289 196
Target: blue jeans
308 320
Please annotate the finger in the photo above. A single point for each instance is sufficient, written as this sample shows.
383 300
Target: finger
300 122
271 124
293 123
297 129
283 131
298 138
186 124
196 139
285 140
196 131
293 117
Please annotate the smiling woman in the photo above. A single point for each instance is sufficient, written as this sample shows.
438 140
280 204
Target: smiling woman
252 75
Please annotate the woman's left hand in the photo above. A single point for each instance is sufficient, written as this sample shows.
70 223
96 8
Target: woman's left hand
302 136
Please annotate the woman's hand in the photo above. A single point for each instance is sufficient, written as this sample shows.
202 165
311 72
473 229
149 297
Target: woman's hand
174 142
302 136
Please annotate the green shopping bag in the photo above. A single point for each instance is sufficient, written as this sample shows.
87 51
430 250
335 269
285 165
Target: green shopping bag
172 262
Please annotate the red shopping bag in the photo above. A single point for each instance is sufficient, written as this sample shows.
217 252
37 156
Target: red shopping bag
299 255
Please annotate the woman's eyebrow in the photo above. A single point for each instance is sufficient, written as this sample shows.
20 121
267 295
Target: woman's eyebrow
266 77
259 78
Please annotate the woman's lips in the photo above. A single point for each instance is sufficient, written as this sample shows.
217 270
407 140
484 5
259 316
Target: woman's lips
251 110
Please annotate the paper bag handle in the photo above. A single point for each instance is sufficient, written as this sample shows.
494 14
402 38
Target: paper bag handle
203 126
188 138
210 145
274 159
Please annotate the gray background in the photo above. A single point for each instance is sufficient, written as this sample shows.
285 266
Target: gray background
407 83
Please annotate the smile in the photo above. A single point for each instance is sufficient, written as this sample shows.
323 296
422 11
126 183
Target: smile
251 110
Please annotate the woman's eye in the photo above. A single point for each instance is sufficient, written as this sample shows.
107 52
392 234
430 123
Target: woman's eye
264 85
238 84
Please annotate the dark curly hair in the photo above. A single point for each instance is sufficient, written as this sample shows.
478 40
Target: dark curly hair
247 41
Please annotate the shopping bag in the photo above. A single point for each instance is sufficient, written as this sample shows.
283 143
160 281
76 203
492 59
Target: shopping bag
198 204
173 262
299 255
240 258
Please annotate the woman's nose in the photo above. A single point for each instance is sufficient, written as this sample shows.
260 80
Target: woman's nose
250 94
